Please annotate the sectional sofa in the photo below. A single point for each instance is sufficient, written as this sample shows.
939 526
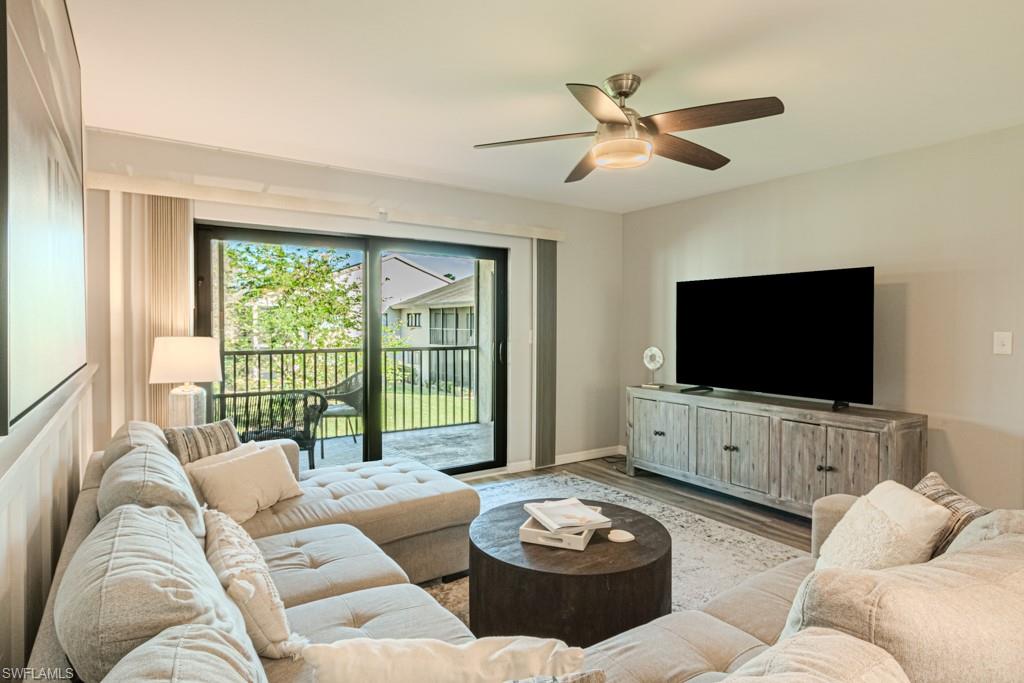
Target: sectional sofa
345 557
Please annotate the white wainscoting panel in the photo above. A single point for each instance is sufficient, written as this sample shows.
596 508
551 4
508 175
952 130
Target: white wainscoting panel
41 464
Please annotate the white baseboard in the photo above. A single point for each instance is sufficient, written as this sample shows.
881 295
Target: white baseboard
580 456
564 459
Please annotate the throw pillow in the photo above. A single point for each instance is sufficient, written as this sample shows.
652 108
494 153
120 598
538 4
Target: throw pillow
191 653
137 573
963 510
821 654
414 660
243 486
890 526
194 443
150 477
244 449
130 436
957 618
243 572
987 527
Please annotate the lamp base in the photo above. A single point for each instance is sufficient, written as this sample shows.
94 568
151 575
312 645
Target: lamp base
186 406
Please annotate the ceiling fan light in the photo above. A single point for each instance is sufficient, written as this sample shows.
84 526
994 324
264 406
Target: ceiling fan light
622 153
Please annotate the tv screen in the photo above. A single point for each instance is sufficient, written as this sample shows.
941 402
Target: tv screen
798 334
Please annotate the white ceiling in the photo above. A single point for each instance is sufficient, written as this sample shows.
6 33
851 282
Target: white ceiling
406 87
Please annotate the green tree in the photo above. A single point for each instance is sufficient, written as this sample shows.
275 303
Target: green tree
287 297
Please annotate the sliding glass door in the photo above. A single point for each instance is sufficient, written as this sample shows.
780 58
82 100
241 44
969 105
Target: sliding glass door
359 349
442 340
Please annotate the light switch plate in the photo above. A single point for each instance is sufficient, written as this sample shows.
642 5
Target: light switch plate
1002 343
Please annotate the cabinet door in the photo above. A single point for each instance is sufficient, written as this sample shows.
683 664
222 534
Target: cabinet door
675 423
645 440
712 440
852 461
748 453
803 452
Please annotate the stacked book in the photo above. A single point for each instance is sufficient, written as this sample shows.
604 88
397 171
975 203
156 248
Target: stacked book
564 523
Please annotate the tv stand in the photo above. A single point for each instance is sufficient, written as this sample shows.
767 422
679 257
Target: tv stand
780 452
700 388
839 405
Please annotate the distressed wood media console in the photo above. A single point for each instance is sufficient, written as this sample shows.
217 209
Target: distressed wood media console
780 452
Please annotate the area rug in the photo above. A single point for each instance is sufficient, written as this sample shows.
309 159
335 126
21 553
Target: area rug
708 557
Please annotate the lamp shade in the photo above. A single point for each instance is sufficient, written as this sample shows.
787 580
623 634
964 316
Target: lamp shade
185 359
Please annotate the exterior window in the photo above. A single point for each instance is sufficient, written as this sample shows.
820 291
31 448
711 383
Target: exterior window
452 326
413 320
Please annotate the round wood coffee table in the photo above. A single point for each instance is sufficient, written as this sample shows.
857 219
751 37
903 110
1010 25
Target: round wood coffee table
581 597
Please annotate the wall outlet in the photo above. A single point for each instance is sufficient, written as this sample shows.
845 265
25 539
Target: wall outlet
1002 343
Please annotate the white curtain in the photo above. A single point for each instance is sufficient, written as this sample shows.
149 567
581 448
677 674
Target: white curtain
151 295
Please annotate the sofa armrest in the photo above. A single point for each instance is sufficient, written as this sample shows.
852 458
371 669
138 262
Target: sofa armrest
825 514
291 451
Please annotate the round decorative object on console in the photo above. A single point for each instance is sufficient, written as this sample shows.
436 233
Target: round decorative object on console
653 359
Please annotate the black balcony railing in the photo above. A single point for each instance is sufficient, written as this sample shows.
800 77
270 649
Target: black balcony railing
421 387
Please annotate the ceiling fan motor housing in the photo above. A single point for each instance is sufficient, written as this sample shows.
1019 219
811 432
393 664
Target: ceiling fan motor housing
621 86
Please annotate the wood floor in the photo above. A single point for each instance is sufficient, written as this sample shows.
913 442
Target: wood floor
779 526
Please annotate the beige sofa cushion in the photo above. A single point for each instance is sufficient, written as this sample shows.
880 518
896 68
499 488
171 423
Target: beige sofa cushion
821 655
192 653
150 476
243 572
402 611
682 646
387 500
139 572
760 604
992 525
325 561
957 618
130 436
889 526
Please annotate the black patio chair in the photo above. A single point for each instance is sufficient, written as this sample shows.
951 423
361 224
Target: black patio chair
345 400
262 415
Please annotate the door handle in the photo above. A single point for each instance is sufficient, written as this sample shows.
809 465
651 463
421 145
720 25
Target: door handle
501 353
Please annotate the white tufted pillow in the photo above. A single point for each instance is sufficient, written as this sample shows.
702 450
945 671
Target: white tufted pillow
890 526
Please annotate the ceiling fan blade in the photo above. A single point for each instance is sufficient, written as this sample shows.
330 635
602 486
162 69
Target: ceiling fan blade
597 102
709 115
543 138
582 169
677 149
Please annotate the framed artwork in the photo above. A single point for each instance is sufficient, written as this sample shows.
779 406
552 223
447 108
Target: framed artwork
42 245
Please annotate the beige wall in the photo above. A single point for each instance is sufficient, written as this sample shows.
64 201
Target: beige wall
944 228
589 262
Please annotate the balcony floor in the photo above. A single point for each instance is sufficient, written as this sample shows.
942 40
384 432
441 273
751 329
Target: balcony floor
438 447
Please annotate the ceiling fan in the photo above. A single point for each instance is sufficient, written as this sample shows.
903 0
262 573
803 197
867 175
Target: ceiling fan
626 140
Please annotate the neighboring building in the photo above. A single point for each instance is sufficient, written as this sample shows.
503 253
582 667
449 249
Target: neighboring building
444 316
401 279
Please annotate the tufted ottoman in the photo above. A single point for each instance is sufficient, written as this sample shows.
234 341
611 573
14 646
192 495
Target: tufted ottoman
418 516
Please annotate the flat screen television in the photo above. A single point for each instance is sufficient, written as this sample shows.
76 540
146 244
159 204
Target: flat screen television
797 334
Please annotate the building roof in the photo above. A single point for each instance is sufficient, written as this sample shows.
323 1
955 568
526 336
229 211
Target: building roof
459 293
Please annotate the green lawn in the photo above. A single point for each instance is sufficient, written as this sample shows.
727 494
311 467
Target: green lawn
412 411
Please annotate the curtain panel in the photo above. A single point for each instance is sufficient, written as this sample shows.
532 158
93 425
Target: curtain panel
151 295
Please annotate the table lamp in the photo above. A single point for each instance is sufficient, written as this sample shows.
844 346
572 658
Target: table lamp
187 360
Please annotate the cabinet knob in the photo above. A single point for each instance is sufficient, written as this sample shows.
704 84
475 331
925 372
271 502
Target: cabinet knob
829 468
820 468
